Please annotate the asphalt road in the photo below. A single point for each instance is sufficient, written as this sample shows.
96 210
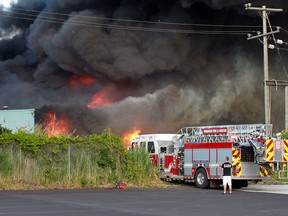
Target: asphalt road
183 200
275 189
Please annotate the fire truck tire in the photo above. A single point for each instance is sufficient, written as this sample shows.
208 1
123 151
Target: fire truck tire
201 179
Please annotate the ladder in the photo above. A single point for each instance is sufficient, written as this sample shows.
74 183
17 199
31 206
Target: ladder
241 134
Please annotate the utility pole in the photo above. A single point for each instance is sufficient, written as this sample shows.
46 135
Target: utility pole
264 35
281 83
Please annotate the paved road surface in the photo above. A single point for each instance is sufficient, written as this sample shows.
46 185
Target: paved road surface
185 200
276 189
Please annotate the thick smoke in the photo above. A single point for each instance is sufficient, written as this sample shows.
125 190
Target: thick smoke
158 82
219 4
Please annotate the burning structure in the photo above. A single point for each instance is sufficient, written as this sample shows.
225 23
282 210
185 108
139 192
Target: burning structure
149 65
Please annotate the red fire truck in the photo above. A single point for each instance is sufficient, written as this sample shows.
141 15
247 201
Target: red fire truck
195 154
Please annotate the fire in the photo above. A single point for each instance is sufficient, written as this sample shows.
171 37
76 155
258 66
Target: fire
130 135
101 98
54 126
77 80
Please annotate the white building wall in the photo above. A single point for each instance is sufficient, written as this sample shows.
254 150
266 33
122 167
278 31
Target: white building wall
21 119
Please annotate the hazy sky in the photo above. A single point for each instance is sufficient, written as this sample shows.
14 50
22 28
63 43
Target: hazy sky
7 3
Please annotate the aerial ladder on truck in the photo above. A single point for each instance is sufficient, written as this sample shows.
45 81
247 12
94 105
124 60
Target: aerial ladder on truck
254 154
195 154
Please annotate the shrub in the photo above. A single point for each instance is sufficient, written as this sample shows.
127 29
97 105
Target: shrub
36 160
137 167
4 130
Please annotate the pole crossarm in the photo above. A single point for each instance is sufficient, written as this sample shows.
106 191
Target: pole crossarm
264 9
262 35
276 82
248 6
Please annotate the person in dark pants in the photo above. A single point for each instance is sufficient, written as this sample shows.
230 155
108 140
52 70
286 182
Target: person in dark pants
227 173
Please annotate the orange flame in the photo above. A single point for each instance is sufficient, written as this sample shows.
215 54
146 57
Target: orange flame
130 135
56 127
77 80
101 98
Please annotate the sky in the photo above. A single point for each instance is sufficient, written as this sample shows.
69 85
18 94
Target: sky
7 3
152 65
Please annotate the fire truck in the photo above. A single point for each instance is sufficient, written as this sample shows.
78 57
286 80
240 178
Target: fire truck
195 154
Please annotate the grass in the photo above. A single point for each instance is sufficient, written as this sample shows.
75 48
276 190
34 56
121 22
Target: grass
21 171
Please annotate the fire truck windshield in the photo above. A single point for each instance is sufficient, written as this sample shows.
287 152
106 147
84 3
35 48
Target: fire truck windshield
151 148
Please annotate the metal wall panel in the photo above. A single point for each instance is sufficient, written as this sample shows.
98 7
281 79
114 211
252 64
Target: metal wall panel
201 155
250 170
188 162
213 161
15 120
222 153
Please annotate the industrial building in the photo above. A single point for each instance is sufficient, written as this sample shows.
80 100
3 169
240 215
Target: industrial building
18 119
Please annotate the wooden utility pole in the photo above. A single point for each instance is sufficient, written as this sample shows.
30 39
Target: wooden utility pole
267 96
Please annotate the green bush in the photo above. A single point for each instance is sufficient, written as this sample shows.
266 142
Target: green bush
35 160
284 135
4 130
84 182
137 167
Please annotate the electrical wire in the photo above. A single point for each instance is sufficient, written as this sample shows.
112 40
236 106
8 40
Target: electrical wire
276 45
44 16
114 26
286 31
135 21
137 28
101 24
273 35
283 49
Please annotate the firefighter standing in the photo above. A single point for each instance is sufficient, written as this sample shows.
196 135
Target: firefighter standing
227 173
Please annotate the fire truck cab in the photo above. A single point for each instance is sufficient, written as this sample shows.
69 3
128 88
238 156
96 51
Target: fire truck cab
195 154
157 145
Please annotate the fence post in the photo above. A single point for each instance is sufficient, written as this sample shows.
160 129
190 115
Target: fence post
69 165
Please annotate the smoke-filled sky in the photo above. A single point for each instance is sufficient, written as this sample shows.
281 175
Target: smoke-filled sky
124 64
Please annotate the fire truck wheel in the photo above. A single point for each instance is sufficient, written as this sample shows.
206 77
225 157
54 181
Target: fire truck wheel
201 179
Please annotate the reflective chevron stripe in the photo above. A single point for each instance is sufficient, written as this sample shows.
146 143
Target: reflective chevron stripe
285 150
236 163
269 150
263 172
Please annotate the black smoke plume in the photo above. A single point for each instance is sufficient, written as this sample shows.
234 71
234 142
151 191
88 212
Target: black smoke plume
157 81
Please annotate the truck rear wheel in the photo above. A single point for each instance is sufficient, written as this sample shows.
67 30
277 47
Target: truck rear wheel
201 179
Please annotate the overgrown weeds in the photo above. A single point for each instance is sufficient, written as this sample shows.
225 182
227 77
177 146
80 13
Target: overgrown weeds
35 161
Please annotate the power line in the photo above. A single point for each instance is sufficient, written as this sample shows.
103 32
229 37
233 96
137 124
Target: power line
44 16
134 21
284 30
276 45
286 49
136 28
116 26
